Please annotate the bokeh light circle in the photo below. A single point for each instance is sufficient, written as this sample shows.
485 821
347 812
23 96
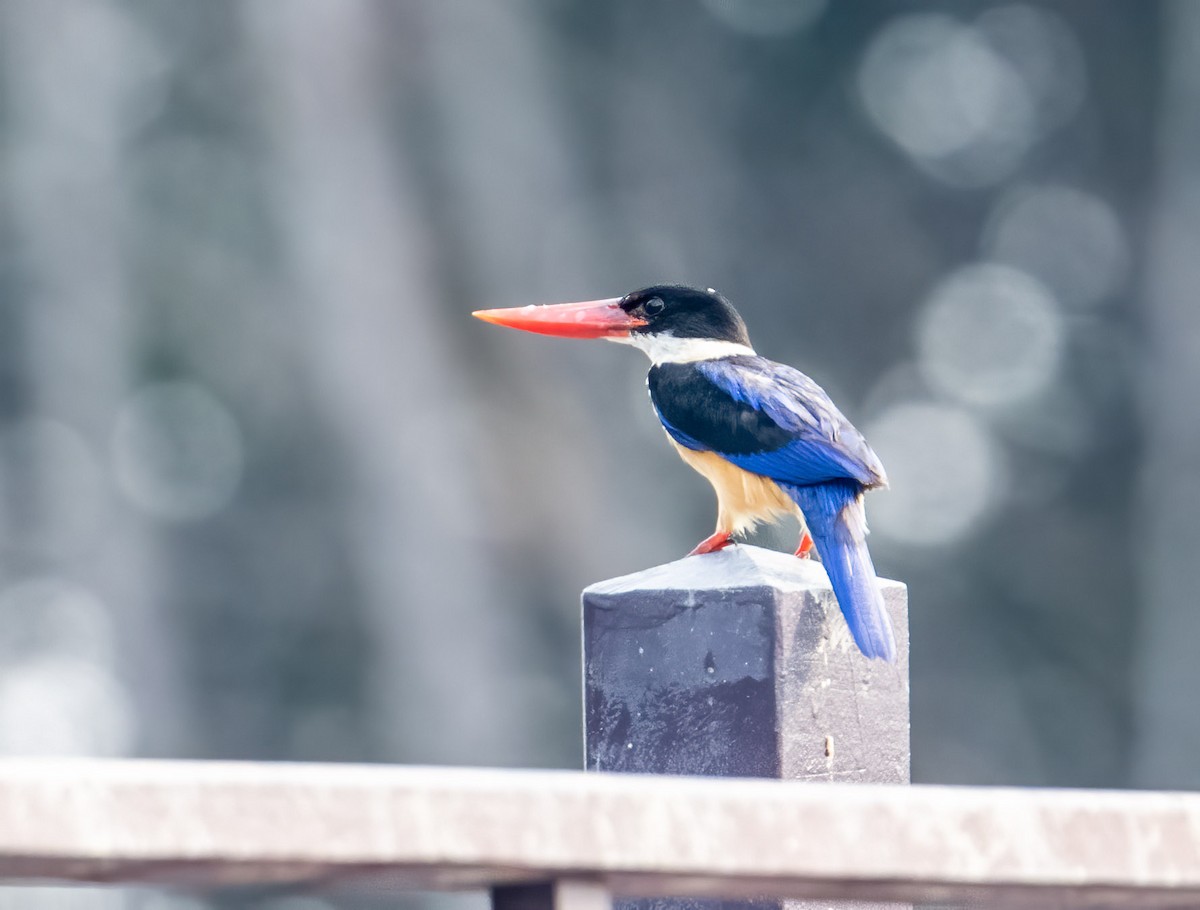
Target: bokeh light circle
1040 45
53 493
990 336
1069 239
945 469
938 89
60 705
177 451
52 615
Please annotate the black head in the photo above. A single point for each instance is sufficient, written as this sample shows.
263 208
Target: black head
683 312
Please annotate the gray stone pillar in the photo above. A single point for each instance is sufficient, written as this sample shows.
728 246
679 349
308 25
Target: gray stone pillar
739 664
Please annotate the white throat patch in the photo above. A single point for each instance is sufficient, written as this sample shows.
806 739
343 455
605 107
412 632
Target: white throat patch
669 349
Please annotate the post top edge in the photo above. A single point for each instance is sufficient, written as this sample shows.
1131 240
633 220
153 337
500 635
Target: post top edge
735 568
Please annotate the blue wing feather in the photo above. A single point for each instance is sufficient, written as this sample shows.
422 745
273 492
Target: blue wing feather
823 444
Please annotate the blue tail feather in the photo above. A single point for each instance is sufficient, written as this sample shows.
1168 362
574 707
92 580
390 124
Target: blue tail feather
837 522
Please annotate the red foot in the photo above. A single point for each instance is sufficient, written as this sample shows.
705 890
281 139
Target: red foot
804 551
718 541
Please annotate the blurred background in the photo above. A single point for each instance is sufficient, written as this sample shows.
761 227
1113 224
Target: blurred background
268 492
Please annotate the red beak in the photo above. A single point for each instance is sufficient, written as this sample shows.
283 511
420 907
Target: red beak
590 319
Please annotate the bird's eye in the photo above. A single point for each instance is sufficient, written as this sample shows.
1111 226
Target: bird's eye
653 306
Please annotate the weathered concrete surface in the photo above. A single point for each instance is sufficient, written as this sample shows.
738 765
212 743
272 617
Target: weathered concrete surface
208 824
739 664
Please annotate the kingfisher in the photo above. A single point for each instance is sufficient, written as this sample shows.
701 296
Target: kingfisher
765 435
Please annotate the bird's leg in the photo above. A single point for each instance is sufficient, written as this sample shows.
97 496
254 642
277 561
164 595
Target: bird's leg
804 551
718 540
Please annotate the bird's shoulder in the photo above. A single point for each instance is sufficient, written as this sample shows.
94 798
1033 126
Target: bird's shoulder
702 414
768 414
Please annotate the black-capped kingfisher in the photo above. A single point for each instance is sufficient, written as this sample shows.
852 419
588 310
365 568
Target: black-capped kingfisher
768 438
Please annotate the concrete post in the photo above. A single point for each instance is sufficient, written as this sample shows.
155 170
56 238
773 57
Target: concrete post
739 664
562 894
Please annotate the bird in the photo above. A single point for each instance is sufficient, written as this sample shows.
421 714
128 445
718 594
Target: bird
767 438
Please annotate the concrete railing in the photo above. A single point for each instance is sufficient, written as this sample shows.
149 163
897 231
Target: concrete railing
577 838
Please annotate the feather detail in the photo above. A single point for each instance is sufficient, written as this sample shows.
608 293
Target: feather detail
837 522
